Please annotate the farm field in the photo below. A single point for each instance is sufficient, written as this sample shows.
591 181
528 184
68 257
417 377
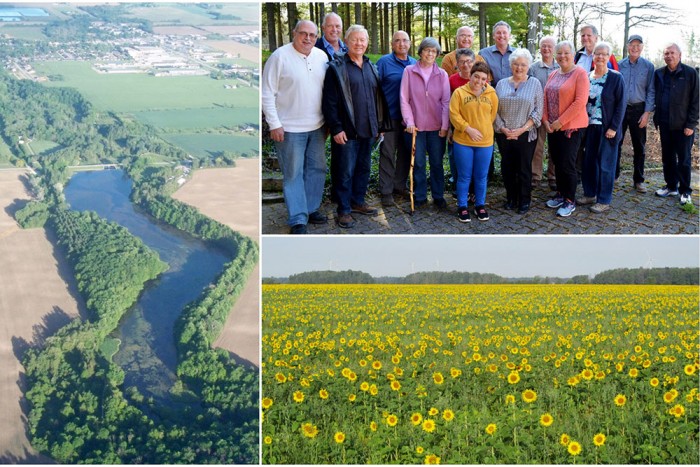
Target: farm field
475 374
29 313
32 33
208 145
215 117
194 14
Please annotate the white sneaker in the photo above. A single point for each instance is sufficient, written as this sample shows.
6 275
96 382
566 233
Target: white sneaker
685 199
664 192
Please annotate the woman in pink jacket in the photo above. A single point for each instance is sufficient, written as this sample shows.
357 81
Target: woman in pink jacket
425 108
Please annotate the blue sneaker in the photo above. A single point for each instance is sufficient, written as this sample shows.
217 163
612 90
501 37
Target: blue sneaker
566 209
555 202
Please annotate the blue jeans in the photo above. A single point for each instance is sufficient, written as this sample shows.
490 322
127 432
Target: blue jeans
472 163
599 163
353 173
302 159
431 143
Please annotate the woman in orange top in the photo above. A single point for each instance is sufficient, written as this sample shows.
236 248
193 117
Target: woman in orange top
564 116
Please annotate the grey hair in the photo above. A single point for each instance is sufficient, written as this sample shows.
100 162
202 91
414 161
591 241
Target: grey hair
673 44
548 38
594 30
561 44
603 45
331 15
501 23
464 27
302 21
429 43
464 53
520 53
356 28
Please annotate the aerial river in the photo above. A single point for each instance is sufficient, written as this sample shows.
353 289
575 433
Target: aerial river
147 352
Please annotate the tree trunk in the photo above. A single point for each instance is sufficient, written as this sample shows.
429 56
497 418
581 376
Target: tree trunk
292 15
399 14
278 19
271 33
533 12
346 16
627 29
409 20
374 46
334 7
483 34
358 13
443 47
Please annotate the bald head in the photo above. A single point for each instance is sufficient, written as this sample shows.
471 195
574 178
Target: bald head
400 43
465 37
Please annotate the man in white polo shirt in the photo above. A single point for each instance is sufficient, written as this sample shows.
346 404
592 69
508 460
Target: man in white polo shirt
292 88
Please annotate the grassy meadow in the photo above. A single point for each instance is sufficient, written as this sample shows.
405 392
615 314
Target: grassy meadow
209 145
473 374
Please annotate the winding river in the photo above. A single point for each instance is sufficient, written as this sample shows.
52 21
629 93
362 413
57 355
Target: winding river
147 352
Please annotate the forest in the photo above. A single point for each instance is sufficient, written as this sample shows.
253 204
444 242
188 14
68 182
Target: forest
78 409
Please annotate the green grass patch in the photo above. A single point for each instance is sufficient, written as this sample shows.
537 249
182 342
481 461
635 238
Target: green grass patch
215 117
194 14
140 92
41 146
29 33
204 145
109 347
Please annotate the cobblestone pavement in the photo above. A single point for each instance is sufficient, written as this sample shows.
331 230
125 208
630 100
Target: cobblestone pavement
630 213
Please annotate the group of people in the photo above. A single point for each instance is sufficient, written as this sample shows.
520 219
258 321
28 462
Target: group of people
581 101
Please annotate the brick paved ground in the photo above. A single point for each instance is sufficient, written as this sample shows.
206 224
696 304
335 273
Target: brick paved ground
631 213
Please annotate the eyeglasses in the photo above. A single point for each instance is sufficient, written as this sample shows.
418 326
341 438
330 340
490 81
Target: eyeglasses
601 54
310 35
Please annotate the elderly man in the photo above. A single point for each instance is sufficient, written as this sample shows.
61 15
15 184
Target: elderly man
394 156
330 42
541 70
355 111
294 74
464 40
497 56
584 56
676 117
638 74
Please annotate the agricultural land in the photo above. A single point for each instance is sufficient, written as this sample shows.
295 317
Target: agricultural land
473 374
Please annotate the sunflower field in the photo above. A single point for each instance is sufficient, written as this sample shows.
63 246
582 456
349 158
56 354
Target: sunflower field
473 374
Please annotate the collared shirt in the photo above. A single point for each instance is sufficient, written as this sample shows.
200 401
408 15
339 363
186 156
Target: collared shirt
329 47
541 71
363 88
390 69
664 110
498 62
517 106
290 78
585 60
639 82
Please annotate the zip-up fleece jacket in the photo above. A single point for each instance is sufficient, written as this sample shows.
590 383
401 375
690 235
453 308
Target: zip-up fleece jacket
468 110
337 107
425 105
683 108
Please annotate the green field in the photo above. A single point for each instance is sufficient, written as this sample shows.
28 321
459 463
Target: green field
204 145
139 92
192 14
215 117
31 33
43 146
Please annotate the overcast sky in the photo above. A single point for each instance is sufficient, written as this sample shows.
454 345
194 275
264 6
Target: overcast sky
510 256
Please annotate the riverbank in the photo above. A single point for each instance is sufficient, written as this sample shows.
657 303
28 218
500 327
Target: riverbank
231 196
28 312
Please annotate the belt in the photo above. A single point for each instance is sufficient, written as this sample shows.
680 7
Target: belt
636 106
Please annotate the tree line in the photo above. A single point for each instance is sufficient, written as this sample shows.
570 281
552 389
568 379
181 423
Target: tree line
660 276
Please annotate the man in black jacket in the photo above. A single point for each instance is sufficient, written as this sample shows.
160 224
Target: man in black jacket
676 117
330 42
355 112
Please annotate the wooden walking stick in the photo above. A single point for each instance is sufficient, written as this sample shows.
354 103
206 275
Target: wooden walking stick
410 171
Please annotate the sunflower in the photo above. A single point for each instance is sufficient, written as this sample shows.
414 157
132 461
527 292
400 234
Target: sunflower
432 459
633 372
392 420
513 377
352 397
373 390
599 439
587 374
395 385
510 399
428 425
546 419
298 397
574 448
620 400
573 381
448 415
339 437
564 439
454 372
363 363
438 378
490 428
364 386
280 378
654 382
670 396
267 440
677 411
419 450
529 396
373 426
266 402
689 370
309 430
323 394
377 365
416 419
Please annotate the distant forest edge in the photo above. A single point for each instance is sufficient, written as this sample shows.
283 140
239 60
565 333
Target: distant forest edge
660 276
78 410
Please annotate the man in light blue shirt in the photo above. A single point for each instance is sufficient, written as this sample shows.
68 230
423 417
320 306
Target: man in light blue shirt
497 56
330 42
638 74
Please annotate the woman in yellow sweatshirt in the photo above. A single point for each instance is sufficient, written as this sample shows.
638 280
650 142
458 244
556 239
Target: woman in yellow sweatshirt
473 109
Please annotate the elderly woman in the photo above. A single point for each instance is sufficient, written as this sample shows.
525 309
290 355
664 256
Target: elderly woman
563 116
606 109
519 114
473 109
425 105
